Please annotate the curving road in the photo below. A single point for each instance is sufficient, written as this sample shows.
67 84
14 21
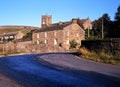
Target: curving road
56 70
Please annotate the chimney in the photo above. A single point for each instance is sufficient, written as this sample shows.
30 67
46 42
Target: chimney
60 23
74 21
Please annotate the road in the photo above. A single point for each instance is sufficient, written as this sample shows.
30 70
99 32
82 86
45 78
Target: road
56 70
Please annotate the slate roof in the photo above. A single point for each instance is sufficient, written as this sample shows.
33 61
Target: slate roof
9 34
56 26
82 20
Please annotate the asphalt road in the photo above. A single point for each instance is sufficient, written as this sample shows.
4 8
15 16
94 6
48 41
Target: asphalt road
56 70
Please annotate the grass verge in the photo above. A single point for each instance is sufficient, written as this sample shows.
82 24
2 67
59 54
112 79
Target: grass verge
8 53
99 57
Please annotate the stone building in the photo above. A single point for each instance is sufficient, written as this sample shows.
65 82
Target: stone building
11 36
87 23
54 37
46 20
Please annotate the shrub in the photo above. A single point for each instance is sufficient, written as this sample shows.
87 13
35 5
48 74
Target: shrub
73 44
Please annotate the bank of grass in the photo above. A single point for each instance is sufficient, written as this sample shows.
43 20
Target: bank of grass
8 53
99 57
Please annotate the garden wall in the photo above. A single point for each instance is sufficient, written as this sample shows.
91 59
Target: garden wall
11 47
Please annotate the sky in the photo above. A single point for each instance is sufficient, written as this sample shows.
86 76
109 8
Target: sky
29 12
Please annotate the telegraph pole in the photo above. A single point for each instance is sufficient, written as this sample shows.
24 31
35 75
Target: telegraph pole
88 32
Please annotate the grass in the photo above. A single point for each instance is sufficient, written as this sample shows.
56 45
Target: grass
99 57
9 53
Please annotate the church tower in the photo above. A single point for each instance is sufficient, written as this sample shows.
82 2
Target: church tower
46 20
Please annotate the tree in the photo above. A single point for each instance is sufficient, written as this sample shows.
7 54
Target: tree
28 35
114 31
106 24
117 15
106 17
103 21
73 44
97 27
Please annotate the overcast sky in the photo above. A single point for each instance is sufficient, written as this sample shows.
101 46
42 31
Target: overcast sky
28 12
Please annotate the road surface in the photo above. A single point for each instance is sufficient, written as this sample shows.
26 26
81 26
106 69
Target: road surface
56 70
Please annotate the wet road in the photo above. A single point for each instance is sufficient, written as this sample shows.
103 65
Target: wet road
58 70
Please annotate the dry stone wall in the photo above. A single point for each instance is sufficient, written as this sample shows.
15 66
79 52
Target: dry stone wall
108 45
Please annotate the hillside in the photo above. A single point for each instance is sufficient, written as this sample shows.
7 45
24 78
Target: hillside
24 29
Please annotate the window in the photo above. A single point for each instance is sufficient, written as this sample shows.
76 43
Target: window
68 33
45 34
67 41
55 41
11 37
77 34
6 37
43 22
38 42
46 41
55 33
38 36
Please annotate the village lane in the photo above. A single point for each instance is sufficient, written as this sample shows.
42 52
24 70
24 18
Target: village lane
57 70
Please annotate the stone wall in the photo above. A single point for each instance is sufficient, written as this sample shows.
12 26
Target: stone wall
28 47
108 45
7 47
23 47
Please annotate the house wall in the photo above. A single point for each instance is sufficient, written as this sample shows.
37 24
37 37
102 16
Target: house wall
87 24
49 45
76 33
19 35
57 40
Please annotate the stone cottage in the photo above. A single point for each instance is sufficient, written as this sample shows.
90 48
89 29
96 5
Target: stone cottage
55 37
11 36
